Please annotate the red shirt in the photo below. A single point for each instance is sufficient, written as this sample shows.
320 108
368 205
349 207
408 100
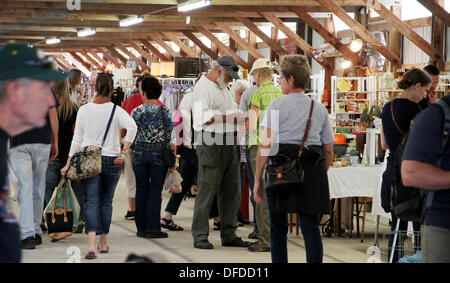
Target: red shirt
135 101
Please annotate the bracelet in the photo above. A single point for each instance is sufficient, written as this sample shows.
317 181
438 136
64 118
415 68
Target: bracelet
124 153
125 150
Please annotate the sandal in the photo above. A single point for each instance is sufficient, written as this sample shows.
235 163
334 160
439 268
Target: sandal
90 255
169 224
103 251
216 226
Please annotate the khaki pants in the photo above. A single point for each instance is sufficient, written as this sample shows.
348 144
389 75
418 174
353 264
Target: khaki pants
262 210
129 178
435 244
218 173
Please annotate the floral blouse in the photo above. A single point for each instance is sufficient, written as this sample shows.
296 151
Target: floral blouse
155 124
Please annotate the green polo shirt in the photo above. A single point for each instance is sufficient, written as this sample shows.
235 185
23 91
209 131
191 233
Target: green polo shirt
261 99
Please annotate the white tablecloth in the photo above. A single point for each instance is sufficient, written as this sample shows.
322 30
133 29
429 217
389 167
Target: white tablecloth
355 181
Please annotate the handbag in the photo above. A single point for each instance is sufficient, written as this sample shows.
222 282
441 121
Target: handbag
87 161
61 211
285 173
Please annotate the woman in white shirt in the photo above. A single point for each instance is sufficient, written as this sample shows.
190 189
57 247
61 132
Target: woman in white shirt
90 127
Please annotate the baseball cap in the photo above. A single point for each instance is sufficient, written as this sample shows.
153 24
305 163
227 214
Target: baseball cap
228 63
19 60
261 63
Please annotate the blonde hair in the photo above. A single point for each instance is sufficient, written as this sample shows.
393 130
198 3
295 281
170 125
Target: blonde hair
66 105
296 66
265 73
74 79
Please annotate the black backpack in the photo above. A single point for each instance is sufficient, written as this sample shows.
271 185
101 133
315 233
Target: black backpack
407 202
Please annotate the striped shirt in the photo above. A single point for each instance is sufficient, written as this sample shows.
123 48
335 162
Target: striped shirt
261 99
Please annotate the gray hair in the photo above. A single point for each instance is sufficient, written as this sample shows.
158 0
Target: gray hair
4 83
239 84
215 65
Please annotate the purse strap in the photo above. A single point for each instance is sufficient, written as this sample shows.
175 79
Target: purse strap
393 119
109 124
308 126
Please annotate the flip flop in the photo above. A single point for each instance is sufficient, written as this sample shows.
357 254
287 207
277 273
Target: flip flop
169 224
103 251
90 255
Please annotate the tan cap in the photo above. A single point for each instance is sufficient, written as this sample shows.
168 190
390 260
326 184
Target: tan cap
261 63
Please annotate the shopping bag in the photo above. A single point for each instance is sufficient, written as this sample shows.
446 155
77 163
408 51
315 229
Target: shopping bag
173 182
62 211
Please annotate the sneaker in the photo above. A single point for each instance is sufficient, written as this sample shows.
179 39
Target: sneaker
243 220
37 239
258 247
238 242
80 227
129 215
254 235
29 243
159 234
203 244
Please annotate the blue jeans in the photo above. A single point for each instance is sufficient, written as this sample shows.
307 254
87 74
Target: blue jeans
251 180
98 196
150 172
52 179
309 225
188 170
29 163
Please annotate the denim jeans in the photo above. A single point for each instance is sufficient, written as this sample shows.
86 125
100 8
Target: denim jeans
150 171
98 196
188 170
52 179
29 163
251 180
309 225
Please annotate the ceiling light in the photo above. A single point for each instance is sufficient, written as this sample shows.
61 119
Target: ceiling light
318 55
356 45
192 5
188 20
345 64
131 21
53 40
86 32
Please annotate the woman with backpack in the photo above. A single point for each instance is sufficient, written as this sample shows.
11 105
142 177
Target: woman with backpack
397 116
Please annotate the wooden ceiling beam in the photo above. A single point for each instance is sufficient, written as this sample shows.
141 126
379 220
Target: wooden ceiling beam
61 65
141 51
437 10
404 29
222 46
90 59
200 44
416 23
328 36
63 60
130 54
155 50
94 54
259 33
158 38
186 49
362 32
80 60
239 40
300 42
111 58
116 54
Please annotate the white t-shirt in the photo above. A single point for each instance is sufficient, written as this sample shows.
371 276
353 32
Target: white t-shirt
210 100
90 128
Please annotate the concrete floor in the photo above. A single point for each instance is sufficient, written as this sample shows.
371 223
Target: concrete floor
179 246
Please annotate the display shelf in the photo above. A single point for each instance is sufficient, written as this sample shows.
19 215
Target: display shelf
360 85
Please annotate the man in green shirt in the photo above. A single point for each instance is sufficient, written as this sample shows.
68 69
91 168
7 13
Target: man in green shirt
262 73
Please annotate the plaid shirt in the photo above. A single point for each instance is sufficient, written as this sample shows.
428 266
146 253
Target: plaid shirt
261 99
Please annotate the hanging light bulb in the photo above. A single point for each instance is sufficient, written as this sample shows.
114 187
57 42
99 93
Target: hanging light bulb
356 45
345 64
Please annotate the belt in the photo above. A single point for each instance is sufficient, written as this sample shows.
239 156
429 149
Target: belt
150 145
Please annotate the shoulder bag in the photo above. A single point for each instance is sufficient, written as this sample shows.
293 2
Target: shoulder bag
285 174
87 161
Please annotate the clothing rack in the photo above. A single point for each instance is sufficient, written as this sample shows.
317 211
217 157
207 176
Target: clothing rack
173 90
180 81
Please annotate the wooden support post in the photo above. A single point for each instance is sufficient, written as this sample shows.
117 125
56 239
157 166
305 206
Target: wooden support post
438 28
240 41
395 40
274 36
78 58
300 31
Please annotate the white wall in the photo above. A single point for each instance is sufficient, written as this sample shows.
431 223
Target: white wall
413 54
448 43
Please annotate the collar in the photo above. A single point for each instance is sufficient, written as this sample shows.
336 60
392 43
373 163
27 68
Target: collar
266 84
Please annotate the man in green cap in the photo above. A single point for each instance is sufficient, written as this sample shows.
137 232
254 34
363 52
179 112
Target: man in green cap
25 98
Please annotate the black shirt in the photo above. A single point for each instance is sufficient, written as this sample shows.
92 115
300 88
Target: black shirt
65 135
37 135
404 112
424 145
3 158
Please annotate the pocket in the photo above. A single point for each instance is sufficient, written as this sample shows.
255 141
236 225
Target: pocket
136 156
209 156
158 158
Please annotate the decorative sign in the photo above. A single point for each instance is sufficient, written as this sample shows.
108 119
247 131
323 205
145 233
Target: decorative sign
288 45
